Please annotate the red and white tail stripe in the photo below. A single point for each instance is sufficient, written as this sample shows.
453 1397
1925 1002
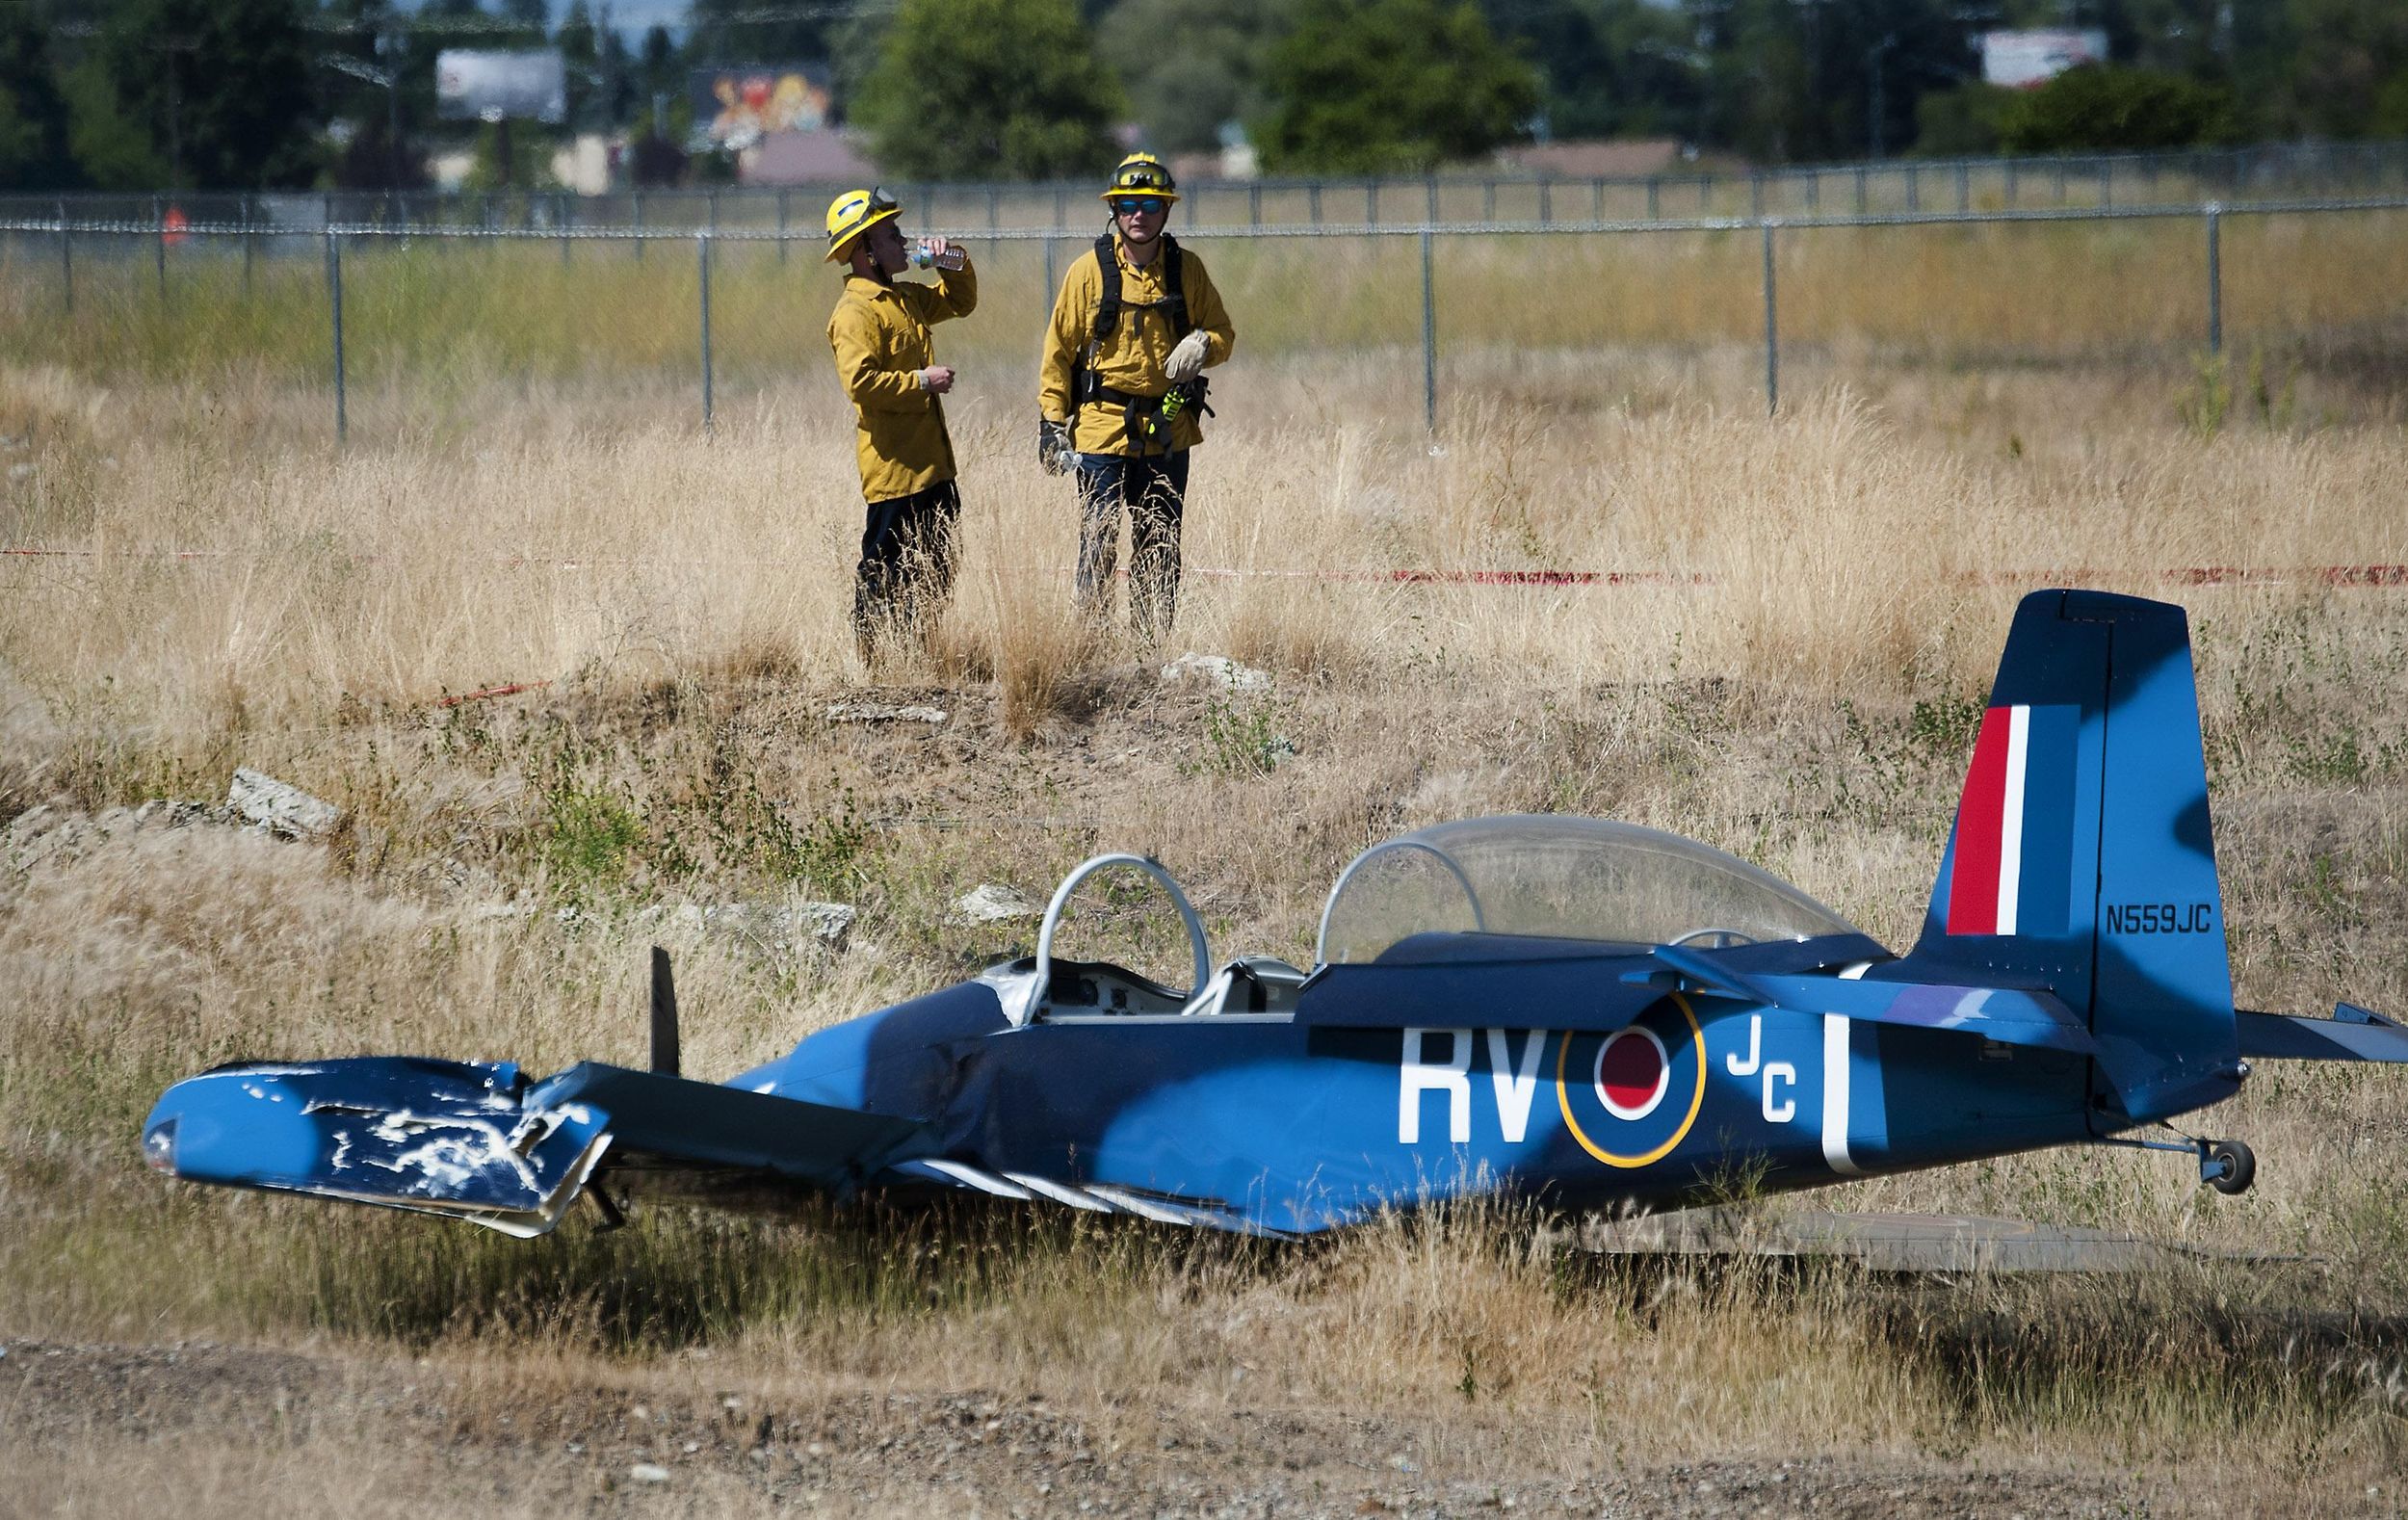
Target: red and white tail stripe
1988 873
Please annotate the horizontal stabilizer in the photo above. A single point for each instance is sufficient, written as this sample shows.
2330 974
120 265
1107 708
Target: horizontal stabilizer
2352 1034
2005 1015
702 1123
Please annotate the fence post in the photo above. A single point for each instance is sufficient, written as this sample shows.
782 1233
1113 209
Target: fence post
1861 203
249 240
560 209
335 299
1430 342
159 239
1253 207
2010 183
1545 201
1755 191
1430 187
1597 199
2215 279
1655 197
995 207
781 226
66 257
639 227
1049 285
702 260
1488 201
1772 332
1371 205
1312 204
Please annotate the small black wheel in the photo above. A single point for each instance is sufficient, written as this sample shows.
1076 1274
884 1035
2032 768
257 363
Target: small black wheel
2239 1167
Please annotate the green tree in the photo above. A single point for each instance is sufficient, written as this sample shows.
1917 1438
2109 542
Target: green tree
2105 106
112 149
971 89
33 154
1191 66
1964 123
222 87
1380 86
1610 67
2349 67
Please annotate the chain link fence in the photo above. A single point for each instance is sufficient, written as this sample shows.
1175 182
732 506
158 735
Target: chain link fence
1392 278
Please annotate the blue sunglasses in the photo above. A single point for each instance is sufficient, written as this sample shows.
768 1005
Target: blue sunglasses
1129 203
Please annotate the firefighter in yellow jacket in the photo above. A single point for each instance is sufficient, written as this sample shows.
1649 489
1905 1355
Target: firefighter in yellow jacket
1120 394
888 363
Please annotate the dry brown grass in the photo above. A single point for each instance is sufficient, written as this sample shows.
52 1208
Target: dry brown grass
687 597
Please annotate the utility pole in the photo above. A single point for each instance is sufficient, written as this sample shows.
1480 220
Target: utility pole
176 113
1877 127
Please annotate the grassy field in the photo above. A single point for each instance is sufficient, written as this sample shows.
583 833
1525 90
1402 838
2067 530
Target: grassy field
1792 679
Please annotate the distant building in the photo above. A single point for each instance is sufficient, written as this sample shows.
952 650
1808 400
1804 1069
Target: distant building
2030 59
803 158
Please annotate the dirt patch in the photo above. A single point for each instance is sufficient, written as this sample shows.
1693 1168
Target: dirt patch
664 1438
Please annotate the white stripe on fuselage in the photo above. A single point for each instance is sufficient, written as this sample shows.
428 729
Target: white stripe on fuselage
2011 816
1835 1087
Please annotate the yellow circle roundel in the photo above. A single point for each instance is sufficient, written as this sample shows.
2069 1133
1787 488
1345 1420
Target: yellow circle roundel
1642 1091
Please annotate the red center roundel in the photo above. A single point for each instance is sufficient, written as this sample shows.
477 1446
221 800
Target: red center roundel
1633 1073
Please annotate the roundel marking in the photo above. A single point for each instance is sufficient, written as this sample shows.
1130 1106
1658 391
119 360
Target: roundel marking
1607 1069
1633 1073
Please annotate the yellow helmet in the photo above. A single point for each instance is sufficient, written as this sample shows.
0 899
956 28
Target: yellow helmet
854 213
1142 174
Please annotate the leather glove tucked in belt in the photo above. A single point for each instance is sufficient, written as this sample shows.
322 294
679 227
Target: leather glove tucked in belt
1186 360
1053 446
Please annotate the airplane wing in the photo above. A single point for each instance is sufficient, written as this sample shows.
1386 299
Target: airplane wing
2352 1034
475 1140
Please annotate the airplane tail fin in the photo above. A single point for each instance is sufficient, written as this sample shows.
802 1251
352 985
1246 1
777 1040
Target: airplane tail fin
2081 858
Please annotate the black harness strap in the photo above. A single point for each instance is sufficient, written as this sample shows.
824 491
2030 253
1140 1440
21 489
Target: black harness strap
1147 418
1173 304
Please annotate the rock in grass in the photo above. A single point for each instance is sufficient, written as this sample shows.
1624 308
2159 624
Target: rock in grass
1218 669
990 903
883 713
280 807
648 1473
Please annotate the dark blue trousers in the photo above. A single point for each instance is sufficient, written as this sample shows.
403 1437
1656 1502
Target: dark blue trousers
906 570
1154 490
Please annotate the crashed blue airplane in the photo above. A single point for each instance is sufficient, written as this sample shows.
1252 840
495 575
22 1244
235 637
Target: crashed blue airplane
1588 1015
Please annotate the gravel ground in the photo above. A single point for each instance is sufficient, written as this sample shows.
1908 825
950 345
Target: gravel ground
90 1428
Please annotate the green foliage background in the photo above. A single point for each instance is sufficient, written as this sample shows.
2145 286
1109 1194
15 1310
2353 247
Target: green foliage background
980 89
250 95
1378 86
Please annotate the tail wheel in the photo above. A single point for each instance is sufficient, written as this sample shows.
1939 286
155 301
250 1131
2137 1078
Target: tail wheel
2235 1168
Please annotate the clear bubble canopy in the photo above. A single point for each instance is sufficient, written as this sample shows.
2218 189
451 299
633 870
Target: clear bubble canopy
1557 876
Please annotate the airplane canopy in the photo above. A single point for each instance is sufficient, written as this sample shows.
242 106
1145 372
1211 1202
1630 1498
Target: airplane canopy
1553 875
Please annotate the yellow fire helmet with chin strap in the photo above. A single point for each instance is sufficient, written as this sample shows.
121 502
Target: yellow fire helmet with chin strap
854 213
1142 174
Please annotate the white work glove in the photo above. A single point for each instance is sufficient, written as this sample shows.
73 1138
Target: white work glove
1186 360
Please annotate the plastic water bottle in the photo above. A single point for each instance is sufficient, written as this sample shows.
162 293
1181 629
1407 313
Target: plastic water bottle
951 258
